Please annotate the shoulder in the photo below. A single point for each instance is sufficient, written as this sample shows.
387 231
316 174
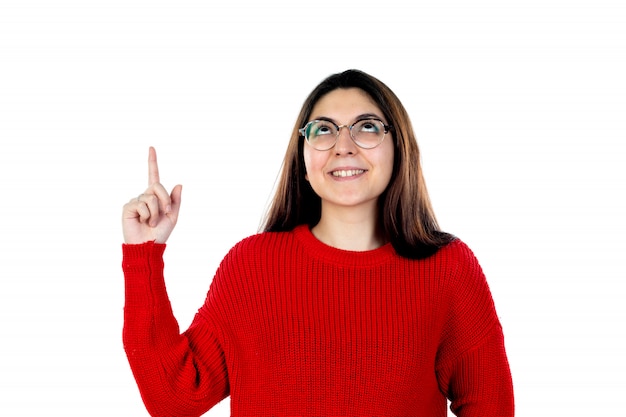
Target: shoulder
450 259
249 260
259 247
457 252
266 241
462 268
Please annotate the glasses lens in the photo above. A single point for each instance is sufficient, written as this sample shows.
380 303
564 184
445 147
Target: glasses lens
321 134
368 133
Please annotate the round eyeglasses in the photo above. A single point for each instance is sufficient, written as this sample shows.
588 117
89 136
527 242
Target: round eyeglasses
323 134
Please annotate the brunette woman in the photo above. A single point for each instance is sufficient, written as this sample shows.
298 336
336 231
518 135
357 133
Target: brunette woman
350 302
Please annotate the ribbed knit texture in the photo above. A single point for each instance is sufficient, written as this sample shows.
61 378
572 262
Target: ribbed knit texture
293 327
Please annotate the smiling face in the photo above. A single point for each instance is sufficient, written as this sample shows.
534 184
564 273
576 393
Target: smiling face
347 175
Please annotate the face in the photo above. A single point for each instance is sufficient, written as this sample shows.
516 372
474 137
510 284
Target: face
347 175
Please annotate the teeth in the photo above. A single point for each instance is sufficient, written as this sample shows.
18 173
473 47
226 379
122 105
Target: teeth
348 173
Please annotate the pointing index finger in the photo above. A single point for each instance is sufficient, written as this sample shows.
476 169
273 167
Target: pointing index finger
153 168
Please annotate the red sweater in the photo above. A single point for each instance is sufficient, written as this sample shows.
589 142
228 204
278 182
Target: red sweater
292 327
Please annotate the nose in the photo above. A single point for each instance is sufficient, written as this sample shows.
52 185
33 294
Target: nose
344 143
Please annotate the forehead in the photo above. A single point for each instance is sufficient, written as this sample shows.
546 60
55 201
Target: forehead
345 103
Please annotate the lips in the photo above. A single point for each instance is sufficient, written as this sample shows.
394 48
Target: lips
343 173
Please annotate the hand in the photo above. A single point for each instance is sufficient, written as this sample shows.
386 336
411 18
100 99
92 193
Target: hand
153 215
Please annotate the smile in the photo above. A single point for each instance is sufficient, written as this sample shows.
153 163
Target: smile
347 173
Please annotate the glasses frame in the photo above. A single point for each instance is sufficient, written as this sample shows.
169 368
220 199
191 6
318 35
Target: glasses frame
303 130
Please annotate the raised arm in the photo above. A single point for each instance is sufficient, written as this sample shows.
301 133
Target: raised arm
177 374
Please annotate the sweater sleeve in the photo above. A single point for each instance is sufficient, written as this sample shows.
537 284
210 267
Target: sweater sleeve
177 374
472 366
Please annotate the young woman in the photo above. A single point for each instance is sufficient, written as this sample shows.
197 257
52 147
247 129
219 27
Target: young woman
350 302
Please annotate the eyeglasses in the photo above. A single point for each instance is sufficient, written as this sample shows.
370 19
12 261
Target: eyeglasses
323 134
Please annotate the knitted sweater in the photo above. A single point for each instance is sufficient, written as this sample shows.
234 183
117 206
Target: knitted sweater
293 327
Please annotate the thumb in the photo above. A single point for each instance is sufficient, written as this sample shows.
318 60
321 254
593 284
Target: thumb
175 198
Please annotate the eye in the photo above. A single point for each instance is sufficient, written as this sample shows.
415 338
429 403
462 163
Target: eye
369 126
322 128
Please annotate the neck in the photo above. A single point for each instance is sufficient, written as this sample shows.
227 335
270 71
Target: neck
349 229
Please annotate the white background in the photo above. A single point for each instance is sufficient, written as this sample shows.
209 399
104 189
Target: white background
519 109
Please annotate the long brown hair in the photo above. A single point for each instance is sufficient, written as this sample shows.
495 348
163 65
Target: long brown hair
405 212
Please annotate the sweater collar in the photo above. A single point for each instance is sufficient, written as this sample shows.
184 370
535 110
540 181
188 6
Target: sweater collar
318 249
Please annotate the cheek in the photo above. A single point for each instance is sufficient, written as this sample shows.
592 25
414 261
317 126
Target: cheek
311 162
387 161
307 162
386 155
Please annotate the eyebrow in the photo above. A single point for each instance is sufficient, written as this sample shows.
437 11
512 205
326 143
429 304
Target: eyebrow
359 117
